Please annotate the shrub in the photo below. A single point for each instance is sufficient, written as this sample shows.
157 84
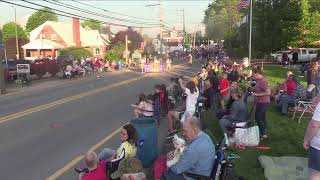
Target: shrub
115 53
76 52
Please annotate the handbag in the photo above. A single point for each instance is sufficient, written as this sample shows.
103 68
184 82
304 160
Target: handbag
247 136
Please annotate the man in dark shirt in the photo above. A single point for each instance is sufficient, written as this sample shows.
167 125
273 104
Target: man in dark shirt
238 111
208 93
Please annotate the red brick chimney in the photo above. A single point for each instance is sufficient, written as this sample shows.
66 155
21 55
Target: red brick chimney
76 31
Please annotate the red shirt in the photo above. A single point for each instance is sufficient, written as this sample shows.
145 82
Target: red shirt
224 84
291 85
98 174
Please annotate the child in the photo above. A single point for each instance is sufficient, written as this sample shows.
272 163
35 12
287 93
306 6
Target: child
224 87
144 108
179 144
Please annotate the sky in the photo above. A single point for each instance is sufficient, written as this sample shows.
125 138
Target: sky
194 12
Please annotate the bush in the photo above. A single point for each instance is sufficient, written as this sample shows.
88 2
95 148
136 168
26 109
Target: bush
115 53
76 52
38 68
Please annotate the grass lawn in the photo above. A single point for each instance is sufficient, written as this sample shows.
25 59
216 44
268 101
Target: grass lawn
285 134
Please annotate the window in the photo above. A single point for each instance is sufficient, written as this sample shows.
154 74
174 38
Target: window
42 36
312 52
97 51
304 51
53 37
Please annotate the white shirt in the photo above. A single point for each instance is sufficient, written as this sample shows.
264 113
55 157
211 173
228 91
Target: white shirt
191 100
315 141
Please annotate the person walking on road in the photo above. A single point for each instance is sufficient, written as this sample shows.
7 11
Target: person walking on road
312 144
190 58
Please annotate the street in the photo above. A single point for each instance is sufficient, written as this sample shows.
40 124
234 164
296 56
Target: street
43 129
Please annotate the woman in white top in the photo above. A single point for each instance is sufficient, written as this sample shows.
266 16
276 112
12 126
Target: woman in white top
192 93
144 108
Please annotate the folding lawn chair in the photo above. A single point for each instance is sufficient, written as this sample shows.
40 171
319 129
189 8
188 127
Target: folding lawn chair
305 107
112 165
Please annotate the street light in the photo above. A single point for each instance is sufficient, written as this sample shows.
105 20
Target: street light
161 22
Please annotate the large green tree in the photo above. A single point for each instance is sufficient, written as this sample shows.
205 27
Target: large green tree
1 38
91 24
277 24
8 31
39 17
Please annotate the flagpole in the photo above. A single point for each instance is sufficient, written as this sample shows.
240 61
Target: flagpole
250 33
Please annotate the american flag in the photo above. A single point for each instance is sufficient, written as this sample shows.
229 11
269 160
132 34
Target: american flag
243 4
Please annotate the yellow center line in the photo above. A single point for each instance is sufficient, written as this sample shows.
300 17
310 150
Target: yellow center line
55 103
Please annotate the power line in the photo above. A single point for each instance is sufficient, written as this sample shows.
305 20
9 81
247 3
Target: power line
114 12
80 17
55 2
72 14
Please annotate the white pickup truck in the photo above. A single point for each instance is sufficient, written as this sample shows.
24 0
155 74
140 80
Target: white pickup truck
304 54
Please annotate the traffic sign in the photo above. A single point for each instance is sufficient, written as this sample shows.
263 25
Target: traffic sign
1 46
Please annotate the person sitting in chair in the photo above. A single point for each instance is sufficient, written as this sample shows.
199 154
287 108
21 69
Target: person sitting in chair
197 158
129 169
144 108
95 169
192 93
238 111
128 137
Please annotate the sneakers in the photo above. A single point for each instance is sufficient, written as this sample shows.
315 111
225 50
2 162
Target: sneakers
171 133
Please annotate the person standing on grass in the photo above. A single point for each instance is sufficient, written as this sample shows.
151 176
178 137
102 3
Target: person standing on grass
224 86
312 144
261 92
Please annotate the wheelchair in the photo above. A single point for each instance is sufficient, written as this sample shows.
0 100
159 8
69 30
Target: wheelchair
221 166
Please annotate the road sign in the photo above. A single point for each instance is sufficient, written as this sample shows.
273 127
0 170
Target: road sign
1 46
23 68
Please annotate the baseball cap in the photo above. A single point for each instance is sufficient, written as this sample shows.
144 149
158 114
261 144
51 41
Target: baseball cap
127 166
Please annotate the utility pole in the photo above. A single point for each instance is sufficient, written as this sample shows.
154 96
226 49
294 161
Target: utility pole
184 29
161 25
2 81
194 40
250 33
17 45
126 53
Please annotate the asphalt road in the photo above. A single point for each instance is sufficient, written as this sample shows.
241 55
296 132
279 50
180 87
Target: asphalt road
45 126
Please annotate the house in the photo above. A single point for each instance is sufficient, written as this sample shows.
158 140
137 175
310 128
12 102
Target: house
47 39
173 37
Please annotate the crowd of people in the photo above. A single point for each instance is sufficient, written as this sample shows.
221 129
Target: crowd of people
85 66
224 89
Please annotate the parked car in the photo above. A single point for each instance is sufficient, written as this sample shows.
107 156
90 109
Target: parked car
305 54
277 56
10 69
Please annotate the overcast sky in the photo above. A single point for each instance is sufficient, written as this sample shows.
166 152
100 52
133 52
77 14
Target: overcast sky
194 12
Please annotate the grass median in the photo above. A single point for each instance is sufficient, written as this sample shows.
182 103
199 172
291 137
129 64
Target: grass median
285 134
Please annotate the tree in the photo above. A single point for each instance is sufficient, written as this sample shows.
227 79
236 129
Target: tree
94 25
39 17
1 38
133 36
8 31
76 52
11 47
115 53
